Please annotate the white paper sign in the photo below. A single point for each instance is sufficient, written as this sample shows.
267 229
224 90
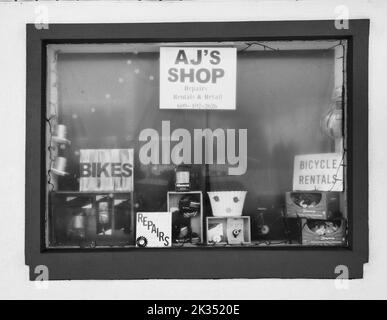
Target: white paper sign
321 172
154 229
197 78
106 170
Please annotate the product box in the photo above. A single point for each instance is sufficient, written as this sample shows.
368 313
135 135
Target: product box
228 230
312 204
324 232
227 203
187 215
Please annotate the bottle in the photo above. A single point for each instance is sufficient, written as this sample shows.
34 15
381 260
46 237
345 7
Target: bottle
78 226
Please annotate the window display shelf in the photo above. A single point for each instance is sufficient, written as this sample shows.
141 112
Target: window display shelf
90 219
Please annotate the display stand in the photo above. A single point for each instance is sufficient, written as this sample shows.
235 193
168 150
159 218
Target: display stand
225 235
87 203
173 198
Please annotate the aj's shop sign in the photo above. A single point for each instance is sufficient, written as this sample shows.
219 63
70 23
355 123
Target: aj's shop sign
197 78
321 172
106 170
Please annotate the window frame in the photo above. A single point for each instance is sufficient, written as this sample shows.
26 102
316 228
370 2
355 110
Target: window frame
179 263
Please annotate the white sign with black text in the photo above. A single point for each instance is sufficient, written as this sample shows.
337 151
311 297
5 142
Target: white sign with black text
154 229
321 172
106 170
198 78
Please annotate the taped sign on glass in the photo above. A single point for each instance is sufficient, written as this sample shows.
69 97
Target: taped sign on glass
106 170
321 172
198 78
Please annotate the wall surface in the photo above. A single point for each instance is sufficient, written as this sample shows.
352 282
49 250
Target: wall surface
14 274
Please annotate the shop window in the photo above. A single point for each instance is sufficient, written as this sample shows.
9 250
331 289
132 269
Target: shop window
149 141
105 108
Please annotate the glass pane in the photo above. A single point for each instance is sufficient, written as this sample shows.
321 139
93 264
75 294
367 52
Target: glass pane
114 158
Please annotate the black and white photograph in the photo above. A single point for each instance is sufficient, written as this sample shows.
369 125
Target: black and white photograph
186 150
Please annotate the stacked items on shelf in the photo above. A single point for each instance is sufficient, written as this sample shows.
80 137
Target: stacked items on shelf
322 221
90 219
187 216
58 141
186 207
100 214
228 226
319 215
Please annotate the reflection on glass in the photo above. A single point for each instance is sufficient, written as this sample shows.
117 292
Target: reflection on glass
105 96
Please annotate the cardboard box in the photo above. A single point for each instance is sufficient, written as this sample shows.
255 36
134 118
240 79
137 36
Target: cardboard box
324 232
228 230
312 204
196 222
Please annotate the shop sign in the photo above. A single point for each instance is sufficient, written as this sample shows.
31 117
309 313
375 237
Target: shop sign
320 172
197 78
106 170
153 229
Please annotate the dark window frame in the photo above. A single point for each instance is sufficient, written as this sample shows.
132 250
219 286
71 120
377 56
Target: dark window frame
180 263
